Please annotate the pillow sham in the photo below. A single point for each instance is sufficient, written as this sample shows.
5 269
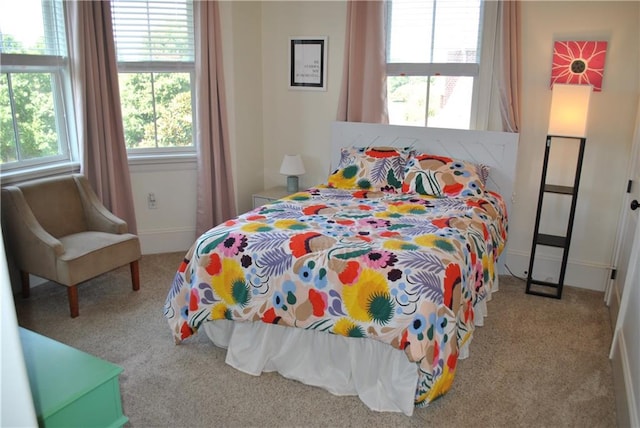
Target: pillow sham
371 168
442 176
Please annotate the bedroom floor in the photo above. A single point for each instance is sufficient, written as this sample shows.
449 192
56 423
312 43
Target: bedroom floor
535 362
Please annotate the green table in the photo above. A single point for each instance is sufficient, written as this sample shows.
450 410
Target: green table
71 388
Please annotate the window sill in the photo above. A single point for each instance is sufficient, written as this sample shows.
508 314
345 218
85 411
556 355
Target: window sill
33 173
164 162
136 163
162 159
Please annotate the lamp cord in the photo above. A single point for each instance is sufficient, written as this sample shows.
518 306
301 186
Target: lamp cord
513 274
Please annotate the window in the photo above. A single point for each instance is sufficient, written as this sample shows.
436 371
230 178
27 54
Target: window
155 52
34 86
435 64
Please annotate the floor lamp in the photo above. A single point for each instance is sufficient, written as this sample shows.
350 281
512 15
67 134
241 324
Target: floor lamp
567 120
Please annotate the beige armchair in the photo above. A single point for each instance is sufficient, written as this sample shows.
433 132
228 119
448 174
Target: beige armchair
57 229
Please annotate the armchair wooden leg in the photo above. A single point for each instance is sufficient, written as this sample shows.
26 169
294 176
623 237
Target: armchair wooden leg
72 292
135 275
26 288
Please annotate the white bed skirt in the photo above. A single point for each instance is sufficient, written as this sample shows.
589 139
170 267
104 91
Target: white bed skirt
382 376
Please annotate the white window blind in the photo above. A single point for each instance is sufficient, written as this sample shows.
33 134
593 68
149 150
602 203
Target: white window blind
153 30
436 31
36 28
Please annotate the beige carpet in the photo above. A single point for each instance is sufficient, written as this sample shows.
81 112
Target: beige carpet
536 362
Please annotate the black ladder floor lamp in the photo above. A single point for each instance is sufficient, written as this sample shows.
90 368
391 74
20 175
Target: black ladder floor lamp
567 121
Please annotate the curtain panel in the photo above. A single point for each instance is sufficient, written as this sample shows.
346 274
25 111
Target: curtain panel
363 95
509 60
216 199
97 106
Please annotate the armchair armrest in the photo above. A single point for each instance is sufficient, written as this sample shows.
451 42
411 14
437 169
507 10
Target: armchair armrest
35 250
98 217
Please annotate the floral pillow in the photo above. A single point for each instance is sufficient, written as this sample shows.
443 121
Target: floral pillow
442 176
371 168
483 171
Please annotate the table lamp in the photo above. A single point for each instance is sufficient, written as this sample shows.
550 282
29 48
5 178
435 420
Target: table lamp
292 167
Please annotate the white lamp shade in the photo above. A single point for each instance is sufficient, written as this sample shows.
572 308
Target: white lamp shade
292 165
569 108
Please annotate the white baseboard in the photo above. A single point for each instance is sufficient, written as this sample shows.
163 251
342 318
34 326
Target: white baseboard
166 240
581 274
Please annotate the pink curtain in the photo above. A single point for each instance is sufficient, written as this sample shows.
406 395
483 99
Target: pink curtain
509 64
216 200
97 107
363 96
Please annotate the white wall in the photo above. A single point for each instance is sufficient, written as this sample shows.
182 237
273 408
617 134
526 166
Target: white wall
299 121
610 129
243 65
268 120
171 226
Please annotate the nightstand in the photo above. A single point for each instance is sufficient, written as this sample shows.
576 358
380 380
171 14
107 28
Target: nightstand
269 195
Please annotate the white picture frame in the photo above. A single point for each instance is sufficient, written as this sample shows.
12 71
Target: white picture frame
308 63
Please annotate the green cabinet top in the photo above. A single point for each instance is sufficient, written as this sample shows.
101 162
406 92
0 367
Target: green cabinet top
60 374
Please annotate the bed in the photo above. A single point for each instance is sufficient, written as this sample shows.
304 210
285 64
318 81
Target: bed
370 284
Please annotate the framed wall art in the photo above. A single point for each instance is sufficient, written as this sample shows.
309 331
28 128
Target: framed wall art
579 63
308 63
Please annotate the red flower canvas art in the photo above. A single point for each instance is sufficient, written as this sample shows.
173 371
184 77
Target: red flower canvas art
579 63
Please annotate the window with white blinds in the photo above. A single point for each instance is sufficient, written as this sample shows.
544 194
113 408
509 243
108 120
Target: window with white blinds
434 58
35 101
155 53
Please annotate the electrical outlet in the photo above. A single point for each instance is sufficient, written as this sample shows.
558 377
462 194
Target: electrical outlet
151 201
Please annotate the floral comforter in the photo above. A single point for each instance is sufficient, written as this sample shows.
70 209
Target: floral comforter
403 269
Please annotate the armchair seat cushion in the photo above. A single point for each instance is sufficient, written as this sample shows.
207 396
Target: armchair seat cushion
89 254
